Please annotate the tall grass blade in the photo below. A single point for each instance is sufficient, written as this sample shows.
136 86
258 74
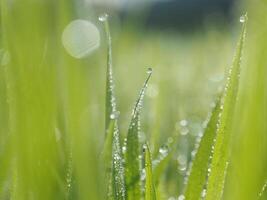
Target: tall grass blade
115 176
220 158
132 161
150 193
198 172
110 96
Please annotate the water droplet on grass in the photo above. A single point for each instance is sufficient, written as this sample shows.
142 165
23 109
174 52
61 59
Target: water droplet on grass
184 131
144 148
164 150
203 193
80 38
143 174
115 115
103 17
242 19
123 149
149 70
181 197
183 122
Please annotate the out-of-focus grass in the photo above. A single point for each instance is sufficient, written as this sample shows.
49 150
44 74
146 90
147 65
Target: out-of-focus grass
248 168
52 106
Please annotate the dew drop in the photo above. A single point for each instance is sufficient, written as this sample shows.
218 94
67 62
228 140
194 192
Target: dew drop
103 17
203 193
164 150
182 168
184 131
124 149
242 19
80 38
181 197
149 70
144 148
143 174
115 115
183 122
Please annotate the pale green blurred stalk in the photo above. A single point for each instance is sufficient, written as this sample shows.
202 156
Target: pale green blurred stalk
249 161
47 94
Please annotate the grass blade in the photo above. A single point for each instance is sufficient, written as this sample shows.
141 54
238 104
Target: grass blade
107 150
110 96
132 162
200 165
150 193
115 180
222 148
118 183
107 153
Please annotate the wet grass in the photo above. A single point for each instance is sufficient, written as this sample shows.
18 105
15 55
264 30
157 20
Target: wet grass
78 128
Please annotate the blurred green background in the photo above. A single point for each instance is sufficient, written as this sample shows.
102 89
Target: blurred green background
52 105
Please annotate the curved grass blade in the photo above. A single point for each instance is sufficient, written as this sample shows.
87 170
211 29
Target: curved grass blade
115 175
132 161
150 193
220 158
198 172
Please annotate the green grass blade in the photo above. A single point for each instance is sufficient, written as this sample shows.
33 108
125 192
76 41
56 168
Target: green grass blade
132 161
107 150
112 159
110 97
200 165
112 143
118 183
222 145
150 193
106 156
